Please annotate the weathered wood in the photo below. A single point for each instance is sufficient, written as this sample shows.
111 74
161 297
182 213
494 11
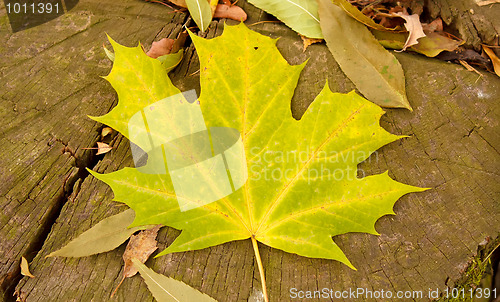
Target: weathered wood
474 24
452 148
50 80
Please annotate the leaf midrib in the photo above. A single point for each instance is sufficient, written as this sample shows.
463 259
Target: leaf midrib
286 188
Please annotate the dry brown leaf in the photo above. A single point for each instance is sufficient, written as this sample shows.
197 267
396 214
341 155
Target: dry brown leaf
160 48
309 41
105 131
103 148
140 247
494 59
179 42
436 25
231 12
414 28
25 270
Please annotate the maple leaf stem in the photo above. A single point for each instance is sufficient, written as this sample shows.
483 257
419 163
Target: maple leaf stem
261 268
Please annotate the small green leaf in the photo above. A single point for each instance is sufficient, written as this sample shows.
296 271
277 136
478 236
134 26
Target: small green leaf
171 60
299 15
201 12
376 72
105 236
109 53
165 289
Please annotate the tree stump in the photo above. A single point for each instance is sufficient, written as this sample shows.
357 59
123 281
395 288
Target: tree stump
51 80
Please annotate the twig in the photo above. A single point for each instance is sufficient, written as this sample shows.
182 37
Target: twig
486 2
260 22
160 2
261 268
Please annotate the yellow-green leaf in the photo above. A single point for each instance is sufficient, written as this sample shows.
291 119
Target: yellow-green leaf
200 12
302 187
166 289
375 71
300 15
105 236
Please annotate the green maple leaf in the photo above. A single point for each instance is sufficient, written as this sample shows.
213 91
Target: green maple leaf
302 187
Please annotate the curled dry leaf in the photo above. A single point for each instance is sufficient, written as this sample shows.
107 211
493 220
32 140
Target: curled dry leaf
160 48
25 269
103 148
494 59
414 28
105 131
231 12
140 247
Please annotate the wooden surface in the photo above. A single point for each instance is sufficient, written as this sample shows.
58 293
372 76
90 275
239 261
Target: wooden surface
51 82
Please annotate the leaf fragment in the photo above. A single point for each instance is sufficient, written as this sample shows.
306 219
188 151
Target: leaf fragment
105 236
414 28
25 269
166 289
376 73
139 247
494 59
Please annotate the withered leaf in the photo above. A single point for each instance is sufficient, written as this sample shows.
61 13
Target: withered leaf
414 28
231 12
140 247
103 148
25 270
160 48
494 59
105 131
